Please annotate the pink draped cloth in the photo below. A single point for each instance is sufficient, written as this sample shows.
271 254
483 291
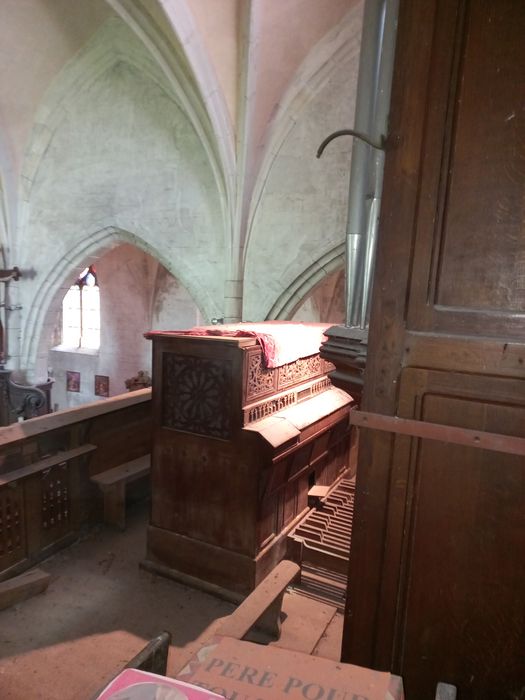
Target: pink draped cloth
282 341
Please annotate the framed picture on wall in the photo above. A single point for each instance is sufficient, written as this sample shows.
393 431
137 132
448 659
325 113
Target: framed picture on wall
101 385
72 381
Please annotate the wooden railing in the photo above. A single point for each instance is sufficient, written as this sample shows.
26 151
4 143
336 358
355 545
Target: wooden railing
46 496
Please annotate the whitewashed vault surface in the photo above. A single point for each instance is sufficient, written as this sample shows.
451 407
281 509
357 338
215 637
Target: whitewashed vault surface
122 152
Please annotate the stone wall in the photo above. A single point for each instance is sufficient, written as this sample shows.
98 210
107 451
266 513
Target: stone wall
136 295
123 168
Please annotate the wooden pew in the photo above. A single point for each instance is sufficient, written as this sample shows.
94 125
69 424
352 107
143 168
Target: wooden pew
113 482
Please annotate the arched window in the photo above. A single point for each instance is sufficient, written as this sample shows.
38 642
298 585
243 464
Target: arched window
81 312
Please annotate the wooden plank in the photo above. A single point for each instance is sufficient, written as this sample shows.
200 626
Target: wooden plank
19 588
325 559
69 416
269 592
509 444
46 463
128 471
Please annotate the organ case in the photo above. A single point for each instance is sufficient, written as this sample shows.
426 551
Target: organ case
236 447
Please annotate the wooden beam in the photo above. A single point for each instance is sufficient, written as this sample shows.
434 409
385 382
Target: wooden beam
46 463
69 416
19 588
509 444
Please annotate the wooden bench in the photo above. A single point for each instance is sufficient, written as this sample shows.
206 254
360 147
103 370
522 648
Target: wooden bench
260 611
113 482
262 608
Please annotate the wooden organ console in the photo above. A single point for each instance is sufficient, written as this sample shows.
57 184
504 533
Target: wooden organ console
236 447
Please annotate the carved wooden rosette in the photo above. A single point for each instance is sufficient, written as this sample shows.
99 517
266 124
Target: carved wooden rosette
196 390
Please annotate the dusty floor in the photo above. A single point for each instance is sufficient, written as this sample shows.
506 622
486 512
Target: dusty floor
100 609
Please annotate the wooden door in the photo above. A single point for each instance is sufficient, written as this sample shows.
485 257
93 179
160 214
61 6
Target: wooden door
437 566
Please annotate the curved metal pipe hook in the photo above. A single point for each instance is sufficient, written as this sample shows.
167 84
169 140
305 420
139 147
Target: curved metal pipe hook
351 132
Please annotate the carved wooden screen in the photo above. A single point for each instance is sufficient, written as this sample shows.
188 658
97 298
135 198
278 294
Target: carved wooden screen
12 526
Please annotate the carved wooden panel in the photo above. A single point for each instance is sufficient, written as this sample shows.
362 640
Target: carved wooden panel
260 381
271 406
55 503
197 395
299 371
268 407
12 530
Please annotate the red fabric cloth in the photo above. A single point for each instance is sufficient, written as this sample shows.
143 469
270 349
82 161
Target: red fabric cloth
282 341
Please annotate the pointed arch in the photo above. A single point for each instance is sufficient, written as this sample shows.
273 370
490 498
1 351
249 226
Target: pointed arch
40 320
113 43
294 294
341 44
189 69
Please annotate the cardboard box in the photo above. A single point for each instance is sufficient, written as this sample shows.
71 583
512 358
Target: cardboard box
244 671
132 684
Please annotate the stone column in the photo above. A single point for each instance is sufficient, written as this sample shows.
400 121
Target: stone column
233 301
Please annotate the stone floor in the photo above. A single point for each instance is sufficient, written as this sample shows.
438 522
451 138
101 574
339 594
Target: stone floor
100 609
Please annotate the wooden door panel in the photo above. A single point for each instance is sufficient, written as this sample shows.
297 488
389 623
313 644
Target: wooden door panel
469 272
437 570
459 585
